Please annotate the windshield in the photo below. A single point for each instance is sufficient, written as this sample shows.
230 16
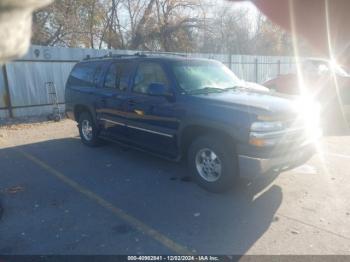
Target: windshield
207 76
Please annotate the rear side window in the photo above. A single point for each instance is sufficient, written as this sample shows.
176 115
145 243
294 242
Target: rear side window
117 76
85 74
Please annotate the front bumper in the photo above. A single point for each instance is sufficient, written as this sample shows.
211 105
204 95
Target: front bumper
251 167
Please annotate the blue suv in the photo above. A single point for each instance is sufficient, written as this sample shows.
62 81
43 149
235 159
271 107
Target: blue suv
178 107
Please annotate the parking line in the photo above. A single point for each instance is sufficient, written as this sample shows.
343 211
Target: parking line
165 241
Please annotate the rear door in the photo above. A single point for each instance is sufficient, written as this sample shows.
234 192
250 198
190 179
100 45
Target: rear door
111 103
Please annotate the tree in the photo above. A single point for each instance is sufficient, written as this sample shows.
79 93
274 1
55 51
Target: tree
70 23
176 19
164 25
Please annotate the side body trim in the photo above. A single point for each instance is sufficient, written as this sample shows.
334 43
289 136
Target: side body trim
137 128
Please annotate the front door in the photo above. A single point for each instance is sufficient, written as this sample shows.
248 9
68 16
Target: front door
152 120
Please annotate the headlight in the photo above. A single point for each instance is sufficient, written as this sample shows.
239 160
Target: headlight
266 126
259 135
304 127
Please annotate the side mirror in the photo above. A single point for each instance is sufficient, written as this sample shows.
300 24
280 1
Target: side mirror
156 89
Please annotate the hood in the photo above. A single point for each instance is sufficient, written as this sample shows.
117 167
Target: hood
255 86
252 99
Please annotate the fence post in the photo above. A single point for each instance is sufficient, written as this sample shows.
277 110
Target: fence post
230 60
7 91
278 67
256 70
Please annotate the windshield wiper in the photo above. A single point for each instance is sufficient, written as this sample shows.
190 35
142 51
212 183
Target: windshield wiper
206 90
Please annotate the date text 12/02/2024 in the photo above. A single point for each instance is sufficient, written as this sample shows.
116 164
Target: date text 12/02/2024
173 258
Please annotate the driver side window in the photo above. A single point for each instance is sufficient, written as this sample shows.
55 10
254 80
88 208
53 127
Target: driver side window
148 73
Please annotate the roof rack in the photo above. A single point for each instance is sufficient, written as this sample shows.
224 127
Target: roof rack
139 54
146 53
110 55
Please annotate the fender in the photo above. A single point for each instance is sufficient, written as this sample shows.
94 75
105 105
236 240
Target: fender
236 134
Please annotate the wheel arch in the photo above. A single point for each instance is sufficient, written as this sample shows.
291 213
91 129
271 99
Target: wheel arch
191 132
80 108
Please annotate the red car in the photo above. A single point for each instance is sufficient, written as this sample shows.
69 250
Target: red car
326 82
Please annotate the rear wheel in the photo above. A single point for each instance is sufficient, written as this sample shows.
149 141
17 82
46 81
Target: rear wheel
88 130
213 163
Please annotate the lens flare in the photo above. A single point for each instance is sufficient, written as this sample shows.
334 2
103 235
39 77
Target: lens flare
309 113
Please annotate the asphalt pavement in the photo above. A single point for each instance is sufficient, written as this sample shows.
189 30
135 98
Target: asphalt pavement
61 197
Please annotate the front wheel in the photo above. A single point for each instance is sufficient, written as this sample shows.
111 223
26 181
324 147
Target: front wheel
88 130
212 163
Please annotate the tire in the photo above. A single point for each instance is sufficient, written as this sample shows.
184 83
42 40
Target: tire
198 154
88 138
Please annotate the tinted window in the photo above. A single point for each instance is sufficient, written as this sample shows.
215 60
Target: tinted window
97 73
111 79
124 76
117 76
85 74
148 73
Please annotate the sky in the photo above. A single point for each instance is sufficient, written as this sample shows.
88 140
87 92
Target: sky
253 12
